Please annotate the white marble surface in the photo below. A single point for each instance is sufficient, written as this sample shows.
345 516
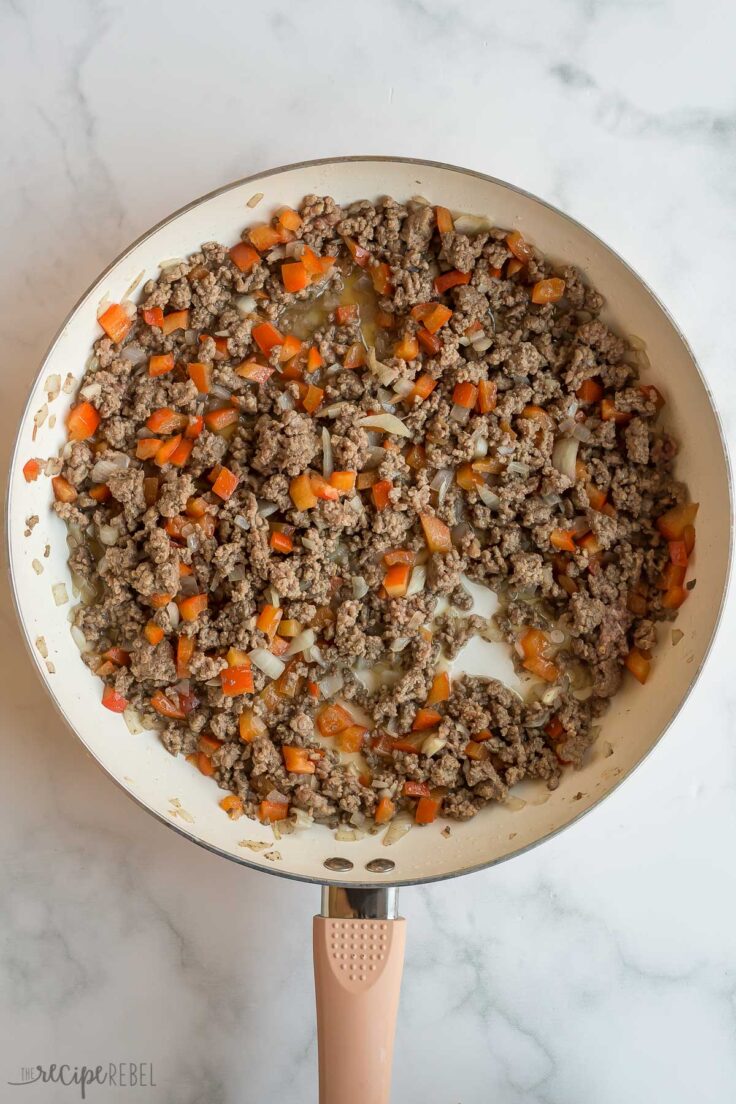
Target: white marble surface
601 968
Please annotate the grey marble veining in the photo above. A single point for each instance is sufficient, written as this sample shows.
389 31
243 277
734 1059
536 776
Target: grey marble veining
601 967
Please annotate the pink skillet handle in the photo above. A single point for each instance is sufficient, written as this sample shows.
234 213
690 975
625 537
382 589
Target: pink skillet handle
357 977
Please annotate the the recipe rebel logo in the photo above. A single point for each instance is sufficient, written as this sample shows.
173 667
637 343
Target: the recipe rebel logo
118 1075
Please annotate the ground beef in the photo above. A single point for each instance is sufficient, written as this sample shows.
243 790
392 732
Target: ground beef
238 536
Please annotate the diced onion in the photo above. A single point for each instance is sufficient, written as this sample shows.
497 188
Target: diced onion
314 655
189 585
272 596
327 461
276 254
241 522
79 639
304 640
518 467
440 483
433 744
40 416
60 594
331 684
564 455
245 304
566 426
403 387
386 423
255 200
417 581
173 611
488 497
399 643
482 344
220 392
285 401
382 372
334 410
134 354
109 534
132 721
52 386
480 447
506 450
551 694
111 463
470 224
267 662
265 509
360 586
398 828
578 525
581 432
302 819
459 414
91 392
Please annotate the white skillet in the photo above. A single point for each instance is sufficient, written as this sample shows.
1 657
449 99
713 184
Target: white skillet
357 993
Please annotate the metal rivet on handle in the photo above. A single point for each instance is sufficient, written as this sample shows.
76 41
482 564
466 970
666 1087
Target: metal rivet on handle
339 864
379 866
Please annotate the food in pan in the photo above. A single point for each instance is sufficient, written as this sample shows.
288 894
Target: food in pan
288 462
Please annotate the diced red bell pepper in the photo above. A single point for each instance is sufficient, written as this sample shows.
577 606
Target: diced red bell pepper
113 701
332 719
450 279
426 718
225 484
673 524
153 317
396 580
160 365
564 539
297 761
266 337
436 534
440 688
264 237
201 376
385 810
116 322
295 276
548 291
437 317
427 809
82 421
638 664
521 249
244 256
177 320
237 680
190 608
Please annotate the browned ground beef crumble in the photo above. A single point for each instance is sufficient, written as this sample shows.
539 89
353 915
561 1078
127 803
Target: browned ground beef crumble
537 355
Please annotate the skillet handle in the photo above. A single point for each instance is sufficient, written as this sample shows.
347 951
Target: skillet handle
358 961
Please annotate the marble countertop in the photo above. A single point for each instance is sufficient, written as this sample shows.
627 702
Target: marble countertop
599 968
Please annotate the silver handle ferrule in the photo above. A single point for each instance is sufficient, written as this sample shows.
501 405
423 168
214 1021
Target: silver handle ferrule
348 903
